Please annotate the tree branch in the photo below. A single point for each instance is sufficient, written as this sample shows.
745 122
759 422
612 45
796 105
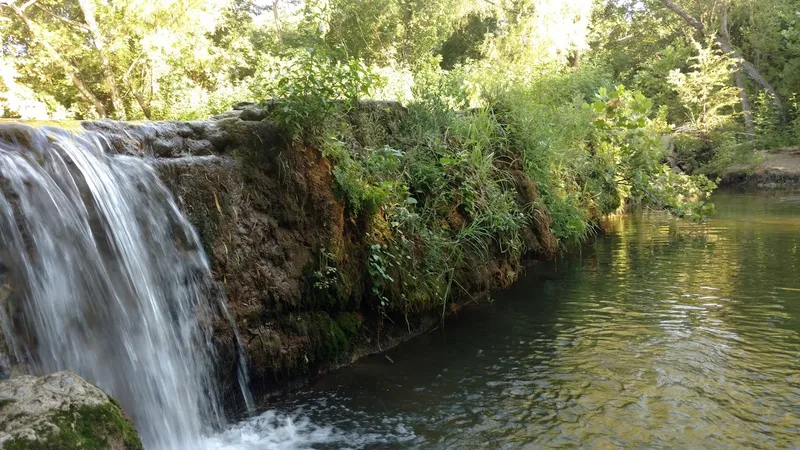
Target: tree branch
685 16
27 4
146 110
63 19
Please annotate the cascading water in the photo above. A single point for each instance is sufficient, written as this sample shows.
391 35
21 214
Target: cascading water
109 279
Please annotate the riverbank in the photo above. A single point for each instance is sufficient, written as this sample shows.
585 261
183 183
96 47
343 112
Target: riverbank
337 230
779 168
645 333
365 224
312 282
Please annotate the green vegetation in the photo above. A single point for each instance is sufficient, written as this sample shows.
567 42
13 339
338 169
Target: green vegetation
132 59
438 190
525 121
329 338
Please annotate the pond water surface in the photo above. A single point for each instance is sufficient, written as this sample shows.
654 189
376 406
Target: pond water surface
661 334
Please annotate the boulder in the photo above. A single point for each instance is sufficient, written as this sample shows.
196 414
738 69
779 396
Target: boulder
61 411
253 114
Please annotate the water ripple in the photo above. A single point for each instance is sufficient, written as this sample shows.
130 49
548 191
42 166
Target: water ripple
663 334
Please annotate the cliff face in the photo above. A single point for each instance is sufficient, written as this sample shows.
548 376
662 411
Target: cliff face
271 222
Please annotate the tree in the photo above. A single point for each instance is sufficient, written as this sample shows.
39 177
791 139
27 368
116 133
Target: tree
125 59
727 47
706 90
99 41
38 35
380 31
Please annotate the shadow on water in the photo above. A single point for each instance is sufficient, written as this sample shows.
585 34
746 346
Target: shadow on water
663 333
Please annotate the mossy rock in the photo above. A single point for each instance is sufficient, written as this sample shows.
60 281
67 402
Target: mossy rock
61 411
327 341
350 323
88 427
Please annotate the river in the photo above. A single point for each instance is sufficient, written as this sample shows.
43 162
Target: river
662 333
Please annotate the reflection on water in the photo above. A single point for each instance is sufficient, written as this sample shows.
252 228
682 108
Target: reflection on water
662 334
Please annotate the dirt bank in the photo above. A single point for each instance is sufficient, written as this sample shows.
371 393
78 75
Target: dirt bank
779 168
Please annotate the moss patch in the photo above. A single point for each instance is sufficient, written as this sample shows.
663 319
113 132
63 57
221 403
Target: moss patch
350 323
89 428
327 341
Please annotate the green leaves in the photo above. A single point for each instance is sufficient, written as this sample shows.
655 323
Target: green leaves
706 91
132 60
628 145
378 267
315 87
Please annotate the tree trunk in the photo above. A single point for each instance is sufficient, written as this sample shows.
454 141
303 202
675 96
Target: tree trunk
71 72
137 93
142 104
100 44
726 47
747 112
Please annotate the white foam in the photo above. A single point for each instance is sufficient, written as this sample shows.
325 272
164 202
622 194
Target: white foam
273 430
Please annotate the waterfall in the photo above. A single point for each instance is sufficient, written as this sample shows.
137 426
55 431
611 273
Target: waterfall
109 280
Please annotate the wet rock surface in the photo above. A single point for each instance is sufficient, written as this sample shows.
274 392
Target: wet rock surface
6 352
161 139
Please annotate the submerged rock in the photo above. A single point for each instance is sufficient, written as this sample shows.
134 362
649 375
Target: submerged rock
61 411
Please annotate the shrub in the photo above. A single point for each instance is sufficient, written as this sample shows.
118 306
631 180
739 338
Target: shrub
437 189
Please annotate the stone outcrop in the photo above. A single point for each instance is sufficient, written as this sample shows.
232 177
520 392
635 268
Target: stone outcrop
61 411
267 213
266 209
